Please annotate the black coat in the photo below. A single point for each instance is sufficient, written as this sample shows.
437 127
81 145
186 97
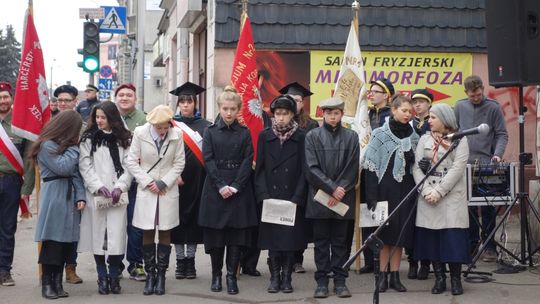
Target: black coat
189 232
228 156
332 159
388 189
279 174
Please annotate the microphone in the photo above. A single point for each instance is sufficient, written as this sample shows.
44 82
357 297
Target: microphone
481 129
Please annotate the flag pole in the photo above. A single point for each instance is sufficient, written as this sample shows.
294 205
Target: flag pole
37 181
357 231
244 13
356 10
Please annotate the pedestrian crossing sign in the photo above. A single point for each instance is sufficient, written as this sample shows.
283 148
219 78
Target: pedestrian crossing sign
114 21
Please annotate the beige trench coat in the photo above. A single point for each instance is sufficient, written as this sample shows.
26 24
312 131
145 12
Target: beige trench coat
143 154
452 209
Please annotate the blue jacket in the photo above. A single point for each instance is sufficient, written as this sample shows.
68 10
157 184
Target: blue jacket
58 218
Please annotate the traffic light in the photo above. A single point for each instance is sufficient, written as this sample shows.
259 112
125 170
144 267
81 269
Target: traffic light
90 51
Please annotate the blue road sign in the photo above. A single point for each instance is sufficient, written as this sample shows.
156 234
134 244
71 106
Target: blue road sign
105 84
114 21
104 95
105 71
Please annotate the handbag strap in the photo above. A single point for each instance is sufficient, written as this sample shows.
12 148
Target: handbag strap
160 158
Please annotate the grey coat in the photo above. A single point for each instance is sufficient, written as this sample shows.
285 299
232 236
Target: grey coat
58 218
451 211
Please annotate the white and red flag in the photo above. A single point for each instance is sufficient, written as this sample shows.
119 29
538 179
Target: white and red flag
351 87
31 105
245 80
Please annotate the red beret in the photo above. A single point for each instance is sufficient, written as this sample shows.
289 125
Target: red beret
124 86
5 86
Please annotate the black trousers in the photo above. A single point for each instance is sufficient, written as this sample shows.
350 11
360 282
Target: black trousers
330 239
368 253
10 194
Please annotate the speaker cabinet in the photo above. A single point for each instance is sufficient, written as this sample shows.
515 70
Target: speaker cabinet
513 41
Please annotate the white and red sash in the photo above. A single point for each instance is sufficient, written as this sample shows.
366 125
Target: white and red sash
192 139
14 158
10 151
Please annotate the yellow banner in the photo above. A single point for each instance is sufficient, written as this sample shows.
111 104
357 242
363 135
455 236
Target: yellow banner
441 73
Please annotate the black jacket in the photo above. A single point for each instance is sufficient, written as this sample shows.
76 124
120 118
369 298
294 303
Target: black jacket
228 157
279 174
332 159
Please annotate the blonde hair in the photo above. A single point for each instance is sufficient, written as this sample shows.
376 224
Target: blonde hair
230 94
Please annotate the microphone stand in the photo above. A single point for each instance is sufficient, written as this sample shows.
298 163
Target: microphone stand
375 243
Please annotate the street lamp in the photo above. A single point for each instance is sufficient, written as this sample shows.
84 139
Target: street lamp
51 85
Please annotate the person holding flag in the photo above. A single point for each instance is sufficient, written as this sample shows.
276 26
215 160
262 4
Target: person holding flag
298 92
251 115
16 182
188 234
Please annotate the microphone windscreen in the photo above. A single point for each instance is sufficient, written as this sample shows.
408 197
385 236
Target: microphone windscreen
483 129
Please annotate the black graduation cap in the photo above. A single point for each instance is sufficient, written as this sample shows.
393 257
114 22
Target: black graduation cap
66 88
188 88
295 89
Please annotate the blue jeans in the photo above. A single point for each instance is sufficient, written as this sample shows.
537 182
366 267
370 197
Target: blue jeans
134 234
489 215
10 194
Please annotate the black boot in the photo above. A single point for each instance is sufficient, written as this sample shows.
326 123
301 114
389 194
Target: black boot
423 272
383 281
149 255
180 272
274 265
114 283
455 278
413 270
216 258
440 278
163 254
395 283
103 285
191 273
47 288
286 274
58 277
232 260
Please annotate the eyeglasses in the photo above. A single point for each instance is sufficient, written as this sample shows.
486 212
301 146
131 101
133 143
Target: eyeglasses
65 100
374 91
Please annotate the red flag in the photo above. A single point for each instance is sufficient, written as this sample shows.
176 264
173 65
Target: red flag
245 80
31 105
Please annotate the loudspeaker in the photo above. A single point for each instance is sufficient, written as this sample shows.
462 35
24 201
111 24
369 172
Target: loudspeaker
513 40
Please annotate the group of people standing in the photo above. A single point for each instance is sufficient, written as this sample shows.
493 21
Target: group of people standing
433 226
119 181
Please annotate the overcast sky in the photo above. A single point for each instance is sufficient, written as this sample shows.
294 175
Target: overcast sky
60 33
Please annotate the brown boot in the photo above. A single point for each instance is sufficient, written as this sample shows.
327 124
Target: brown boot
71 275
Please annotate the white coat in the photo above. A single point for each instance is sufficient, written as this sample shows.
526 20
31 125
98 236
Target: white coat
451 211
97 171
143 154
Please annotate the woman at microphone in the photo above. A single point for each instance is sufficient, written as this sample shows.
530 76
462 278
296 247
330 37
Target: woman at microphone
442 219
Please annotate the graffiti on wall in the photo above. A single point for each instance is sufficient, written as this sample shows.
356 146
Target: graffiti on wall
508 98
